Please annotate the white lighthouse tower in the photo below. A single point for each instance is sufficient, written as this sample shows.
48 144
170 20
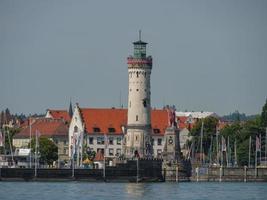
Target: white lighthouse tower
138 135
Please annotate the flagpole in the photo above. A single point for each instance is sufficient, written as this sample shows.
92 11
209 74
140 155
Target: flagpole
30 142
256 157
249 151
217 146
211 139
10 147
265 146
35 166
227 152
260 149
201 138
235 154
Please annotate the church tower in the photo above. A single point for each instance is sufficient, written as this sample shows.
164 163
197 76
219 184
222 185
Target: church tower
138 134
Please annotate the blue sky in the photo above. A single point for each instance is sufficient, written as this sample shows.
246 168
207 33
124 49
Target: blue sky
207 55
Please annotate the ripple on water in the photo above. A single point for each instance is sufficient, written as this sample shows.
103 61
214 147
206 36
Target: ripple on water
165 191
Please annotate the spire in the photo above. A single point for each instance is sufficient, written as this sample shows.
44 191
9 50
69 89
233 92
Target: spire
70 109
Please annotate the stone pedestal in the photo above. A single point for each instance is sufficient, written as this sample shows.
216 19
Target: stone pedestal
172 150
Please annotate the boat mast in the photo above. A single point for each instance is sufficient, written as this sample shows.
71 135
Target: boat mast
201 141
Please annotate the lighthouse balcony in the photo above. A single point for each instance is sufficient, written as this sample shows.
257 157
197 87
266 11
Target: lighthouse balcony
139 61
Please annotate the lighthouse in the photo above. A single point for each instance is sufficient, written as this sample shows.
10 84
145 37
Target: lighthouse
138 134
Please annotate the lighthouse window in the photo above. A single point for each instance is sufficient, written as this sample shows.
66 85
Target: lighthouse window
159 141
136 118
144 103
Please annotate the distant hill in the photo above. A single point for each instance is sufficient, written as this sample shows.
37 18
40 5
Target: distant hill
236 116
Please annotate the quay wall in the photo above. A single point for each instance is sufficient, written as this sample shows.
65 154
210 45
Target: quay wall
130 171
221 174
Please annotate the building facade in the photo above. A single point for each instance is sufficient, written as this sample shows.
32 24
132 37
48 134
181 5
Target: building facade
54 129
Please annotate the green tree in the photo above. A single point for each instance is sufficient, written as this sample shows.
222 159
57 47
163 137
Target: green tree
48 150
241 132
209 130
264 115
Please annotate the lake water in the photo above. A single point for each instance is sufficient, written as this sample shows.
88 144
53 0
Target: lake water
164 191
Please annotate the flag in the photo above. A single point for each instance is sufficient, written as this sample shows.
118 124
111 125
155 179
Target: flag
258 145
1 139
223 144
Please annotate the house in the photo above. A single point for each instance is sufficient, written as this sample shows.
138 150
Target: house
58 114
54 129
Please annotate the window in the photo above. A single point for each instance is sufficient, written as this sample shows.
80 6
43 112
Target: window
136 118
152 141
130 104
111 152
65 142
96 129
137 90
137 74
159 152
91 140
156 130
110 141
119 140
111 130
159 141
75 129
144 103
65 151
118 152
100 140
100 150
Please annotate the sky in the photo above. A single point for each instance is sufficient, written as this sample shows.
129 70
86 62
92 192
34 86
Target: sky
208 55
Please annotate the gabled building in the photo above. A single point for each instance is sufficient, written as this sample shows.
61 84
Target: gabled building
58 114
105 128
54 129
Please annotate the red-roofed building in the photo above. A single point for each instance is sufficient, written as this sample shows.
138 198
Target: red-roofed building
58 114
100 126
55 129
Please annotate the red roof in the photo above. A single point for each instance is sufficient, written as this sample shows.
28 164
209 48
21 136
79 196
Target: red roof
46 127
104 119
159 120
60 114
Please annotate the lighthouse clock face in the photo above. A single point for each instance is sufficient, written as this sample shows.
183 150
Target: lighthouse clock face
170 141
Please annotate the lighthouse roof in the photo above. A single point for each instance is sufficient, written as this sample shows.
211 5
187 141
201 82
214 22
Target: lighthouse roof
139 42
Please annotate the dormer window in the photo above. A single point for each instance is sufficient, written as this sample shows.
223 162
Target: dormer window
111 130
96 129
156 130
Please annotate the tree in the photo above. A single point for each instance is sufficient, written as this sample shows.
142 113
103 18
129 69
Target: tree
48 150
209 130
264 115
241 132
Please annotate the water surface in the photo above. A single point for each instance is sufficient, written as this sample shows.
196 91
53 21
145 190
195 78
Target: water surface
163 191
